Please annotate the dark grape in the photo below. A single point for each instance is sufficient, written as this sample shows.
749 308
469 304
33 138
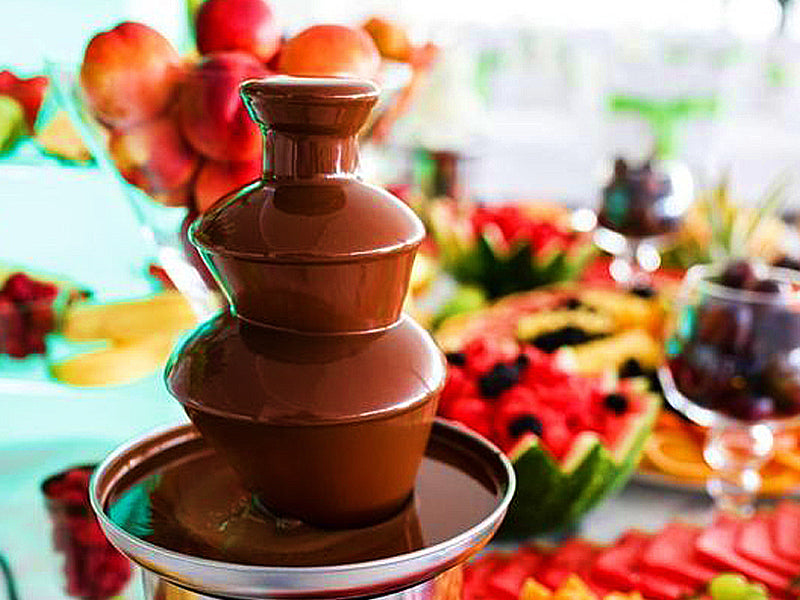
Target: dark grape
738 274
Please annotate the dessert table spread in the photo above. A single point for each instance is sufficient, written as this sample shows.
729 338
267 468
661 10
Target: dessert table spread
70 222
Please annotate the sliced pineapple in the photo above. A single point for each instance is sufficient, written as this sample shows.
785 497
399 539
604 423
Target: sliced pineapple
535 324
612 352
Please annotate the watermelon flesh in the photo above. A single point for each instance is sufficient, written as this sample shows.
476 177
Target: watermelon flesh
717 545
573 439
672 553
677 562
477 573
785 527
620 568
506 581
754 542
574 556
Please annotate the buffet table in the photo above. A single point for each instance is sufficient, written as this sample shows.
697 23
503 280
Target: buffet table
48 426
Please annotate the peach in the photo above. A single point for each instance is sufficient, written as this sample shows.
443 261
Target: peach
129 74
330 51
217 179
154 157
246 25
212 115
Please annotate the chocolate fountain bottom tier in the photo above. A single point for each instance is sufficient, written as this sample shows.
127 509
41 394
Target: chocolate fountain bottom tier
329 429
175 507
334 475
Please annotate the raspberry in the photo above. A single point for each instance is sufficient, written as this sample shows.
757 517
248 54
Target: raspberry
94 569
26 315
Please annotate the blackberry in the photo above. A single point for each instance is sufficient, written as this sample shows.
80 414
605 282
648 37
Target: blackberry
566 336
788 262
631 368
525 424
459 359
616 403
767 286
643 291
498 379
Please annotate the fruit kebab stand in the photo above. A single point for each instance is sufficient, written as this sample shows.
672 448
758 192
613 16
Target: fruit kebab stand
280 406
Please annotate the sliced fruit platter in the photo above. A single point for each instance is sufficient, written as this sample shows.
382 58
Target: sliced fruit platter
591 328
506 247
87 343
673 456
732 559
572 438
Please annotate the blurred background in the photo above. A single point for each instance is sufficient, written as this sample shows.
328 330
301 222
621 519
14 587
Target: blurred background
541 75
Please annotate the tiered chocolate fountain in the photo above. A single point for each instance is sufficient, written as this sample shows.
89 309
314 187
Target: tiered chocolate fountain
314 467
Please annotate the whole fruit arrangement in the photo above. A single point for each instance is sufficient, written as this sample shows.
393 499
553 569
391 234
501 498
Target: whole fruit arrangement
176 127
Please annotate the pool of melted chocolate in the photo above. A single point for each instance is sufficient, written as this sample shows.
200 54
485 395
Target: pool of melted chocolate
187 499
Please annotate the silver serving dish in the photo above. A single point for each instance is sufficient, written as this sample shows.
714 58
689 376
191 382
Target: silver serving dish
426 573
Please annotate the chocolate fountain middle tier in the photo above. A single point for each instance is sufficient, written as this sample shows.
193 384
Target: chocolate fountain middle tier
329 429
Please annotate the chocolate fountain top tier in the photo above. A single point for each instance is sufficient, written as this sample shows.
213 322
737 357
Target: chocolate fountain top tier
310 247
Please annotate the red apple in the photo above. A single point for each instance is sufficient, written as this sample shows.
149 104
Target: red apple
211 112
154 157
28 92
129 74
217 179
246 25
330 51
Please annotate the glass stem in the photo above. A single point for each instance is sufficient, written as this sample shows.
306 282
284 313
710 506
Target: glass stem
736 452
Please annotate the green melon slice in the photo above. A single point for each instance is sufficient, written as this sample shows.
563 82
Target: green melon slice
553 495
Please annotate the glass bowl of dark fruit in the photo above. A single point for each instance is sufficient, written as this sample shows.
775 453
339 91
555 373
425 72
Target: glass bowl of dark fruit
639 207
733 365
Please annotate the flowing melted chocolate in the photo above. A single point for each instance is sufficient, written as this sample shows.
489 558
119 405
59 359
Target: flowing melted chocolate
192 503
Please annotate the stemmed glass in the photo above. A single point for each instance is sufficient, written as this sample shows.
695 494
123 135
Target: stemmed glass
733 365
639 208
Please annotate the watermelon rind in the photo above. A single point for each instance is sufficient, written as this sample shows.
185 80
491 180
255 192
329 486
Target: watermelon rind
552 495
506 270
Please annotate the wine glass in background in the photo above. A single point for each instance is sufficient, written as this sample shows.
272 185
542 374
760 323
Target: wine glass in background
733 365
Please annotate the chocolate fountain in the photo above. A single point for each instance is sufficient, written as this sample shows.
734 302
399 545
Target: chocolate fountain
314 466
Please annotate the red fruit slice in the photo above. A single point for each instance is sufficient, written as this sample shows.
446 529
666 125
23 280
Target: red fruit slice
785 528
717 545
619 568
574 556
476 576
753 542
506 581
473 412
671 553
